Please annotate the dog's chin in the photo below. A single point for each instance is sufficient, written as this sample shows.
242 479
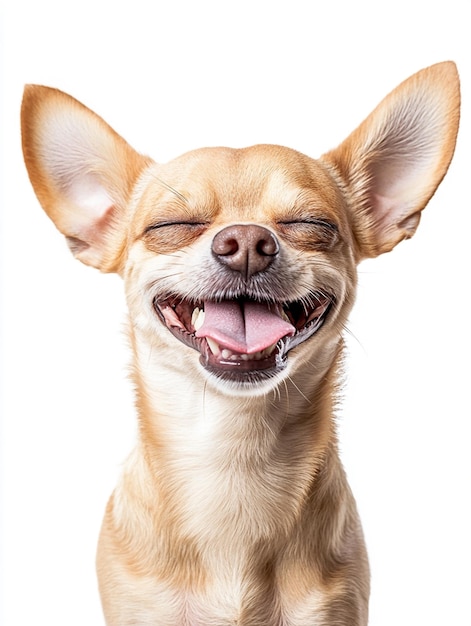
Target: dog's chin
245 377
246 372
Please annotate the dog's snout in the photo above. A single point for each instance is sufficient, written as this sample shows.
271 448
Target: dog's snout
245 248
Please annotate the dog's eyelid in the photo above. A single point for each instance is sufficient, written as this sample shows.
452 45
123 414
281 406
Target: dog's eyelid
310 233
323 223
169 223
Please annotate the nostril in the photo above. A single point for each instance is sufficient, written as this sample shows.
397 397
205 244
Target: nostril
225 246
268 246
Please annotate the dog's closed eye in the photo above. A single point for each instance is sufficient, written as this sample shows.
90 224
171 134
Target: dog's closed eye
168 236
309 234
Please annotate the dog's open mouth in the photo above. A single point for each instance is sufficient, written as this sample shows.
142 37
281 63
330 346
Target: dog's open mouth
237 337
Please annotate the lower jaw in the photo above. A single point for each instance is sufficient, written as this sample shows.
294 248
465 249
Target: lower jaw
245 372
237 369
249 384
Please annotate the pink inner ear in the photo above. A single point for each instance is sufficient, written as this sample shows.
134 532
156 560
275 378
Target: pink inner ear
90 196
396 189
94 233
386 210
95 208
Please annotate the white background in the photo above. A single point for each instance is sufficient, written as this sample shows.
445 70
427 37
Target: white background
175 75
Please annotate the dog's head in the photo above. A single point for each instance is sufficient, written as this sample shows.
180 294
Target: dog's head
243 261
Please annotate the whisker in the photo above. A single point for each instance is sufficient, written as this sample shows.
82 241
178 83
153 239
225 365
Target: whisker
170 188
277 397
298 390
351 334
267 426
285 385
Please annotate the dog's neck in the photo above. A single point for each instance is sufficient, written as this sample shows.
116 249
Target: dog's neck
234 461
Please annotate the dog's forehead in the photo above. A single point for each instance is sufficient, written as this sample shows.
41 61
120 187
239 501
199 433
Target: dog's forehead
254 168
243 181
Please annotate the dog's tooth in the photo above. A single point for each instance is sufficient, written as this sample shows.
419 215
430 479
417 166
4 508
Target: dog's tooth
226 353
270 349
213 346
197 318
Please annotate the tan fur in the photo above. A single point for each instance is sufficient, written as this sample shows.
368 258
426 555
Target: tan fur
234 507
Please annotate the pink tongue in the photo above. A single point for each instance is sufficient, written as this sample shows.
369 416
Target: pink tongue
243 327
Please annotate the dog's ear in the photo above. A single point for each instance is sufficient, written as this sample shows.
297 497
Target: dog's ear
391 165
82 172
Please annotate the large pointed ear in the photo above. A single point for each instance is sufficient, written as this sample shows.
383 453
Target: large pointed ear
391 165
82 171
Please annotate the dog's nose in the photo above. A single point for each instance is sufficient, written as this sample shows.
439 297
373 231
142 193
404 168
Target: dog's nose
245 248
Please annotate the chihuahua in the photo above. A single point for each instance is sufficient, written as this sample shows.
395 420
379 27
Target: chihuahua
239 267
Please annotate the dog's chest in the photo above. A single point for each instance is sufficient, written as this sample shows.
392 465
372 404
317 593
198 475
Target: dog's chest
230 603
246 485
228 600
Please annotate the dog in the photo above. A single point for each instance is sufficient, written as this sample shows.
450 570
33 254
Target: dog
239 267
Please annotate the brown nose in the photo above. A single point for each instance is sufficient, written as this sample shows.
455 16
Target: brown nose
245 248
